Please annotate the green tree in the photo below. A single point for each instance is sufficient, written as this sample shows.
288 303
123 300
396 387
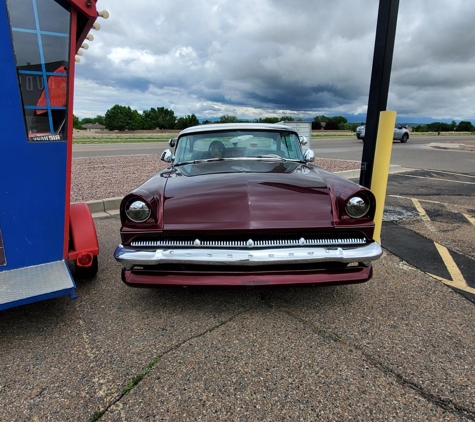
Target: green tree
341 122
420 128
87 120
321 119
316 125
271 120
286 119
464 126
158 118
331 125
76 122
120 118
187 121
444 127
228 119
99 119
135 121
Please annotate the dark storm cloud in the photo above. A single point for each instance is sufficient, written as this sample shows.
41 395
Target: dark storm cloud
304 57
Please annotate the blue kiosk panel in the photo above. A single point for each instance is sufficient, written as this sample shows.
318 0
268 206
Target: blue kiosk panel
34 73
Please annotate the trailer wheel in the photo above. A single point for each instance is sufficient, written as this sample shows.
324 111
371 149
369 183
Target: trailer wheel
88 272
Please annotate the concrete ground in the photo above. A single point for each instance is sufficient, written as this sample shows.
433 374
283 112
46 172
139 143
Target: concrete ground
399 347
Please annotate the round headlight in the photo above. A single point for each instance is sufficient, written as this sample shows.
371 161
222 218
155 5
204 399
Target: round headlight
357 207
138 211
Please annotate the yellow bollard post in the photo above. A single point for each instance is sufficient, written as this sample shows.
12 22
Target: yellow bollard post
382 161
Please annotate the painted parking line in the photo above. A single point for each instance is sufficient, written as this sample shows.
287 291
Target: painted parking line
430 201
469 218
423 214
439 179
434 254
458 281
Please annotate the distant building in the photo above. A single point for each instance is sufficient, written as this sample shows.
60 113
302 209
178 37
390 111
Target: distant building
93 127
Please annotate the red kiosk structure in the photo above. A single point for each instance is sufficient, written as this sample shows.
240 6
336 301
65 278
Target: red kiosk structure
41 232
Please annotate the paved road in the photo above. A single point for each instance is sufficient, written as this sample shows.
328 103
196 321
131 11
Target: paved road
415 154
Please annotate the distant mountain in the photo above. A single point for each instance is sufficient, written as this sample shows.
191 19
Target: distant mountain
361 118
404 120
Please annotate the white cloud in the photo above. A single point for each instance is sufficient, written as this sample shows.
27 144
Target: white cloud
274 57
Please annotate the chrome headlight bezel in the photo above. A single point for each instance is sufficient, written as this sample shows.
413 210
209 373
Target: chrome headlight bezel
358 206
137 210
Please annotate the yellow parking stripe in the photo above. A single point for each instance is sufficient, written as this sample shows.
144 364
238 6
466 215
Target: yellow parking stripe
452 284
458 281
457 277
469 218
423 214
420 210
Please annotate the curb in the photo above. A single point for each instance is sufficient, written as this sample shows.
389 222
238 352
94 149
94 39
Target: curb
354 174
453 146
104 207
110 206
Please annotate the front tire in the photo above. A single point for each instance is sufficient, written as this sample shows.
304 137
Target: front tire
404 138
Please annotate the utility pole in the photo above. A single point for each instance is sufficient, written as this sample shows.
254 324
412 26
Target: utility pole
379 86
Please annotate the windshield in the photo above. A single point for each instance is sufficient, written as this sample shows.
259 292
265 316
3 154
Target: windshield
238 144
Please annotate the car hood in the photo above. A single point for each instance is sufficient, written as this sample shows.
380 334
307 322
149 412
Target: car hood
244 201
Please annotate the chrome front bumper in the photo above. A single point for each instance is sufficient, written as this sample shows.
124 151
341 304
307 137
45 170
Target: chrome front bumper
130 258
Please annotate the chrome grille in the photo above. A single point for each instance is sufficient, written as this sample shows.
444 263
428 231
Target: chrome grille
250 241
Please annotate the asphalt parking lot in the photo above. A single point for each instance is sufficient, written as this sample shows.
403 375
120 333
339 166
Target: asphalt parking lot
429 223
399 347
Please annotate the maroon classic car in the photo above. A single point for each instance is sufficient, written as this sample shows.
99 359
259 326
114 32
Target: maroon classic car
243 205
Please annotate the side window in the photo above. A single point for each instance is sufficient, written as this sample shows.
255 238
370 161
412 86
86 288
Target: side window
40 33
289 144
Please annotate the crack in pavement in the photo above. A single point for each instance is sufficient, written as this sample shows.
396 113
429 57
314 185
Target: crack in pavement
139 377
445 404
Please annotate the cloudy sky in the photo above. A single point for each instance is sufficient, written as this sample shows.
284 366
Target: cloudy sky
257 58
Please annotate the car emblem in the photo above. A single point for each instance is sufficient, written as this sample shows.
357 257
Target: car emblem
250 243
197 242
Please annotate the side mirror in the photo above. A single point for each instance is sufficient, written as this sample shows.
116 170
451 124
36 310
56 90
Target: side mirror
303 140
166 156
172 142
309 156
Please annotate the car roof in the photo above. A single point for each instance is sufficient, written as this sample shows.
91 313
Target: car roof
215 127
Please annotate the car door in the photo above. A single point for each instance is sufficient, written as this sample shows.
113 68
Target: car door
398 131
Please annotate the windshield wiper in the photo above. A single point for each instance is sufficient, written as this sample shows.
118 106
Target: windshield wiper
182 163
213 159
277 157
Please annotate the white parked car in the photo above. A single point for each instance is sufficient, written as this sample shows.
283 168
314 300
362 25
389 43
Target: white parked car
401 133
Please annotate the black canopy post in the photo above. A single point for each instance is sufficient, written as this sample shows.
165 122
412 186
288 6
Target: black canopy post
379 86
